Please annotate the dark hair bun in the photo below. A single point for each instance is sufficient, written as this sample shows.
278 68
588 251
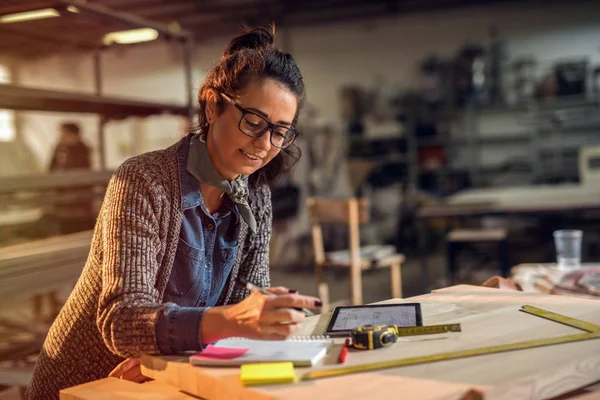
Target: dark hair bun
255 39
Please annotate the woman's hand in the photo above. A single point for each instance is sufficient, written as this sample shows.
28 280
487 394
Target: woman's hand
258 316
280 290
129 370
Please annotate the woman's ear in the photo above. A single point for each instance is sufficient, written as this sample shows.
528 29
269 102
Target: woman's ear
210 110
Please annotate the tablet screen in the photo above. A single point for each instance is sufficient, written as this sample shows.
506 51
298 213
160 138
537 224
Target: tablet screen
348 318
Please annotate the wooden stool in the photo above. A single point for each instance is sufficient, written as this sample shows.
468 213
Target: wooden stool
460 239
352 212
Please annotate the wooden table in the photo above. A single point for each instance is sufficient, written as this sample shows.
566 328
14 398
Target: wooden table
536 200
488 316
517 200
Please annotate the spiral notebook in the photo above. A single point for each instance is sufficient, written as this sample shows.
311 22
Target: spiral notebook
302 351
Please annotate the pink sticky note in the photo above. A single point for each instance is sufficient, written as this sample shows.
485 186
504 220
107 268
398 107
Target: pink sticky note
219 353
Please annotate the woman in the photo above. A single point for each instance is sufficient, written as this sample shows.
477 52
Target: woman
179 226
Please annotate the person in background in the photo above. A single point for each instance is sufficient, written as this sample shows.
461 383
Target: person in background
73 209
179 226
70 152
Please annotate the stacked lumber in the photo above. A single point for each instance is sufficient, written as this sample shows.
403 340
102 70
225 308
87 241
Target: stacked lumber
42 266
32 270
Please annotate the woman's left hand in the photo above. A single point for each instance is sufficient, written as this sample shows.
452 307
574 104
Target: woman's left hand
129 370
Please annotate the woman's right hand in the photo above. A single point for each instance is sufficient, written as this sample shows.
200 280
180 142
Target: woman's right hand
258 317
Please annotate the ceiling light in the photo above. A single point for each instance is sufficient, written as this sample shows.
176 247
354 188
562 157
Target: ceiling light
29 15
73 9
130 36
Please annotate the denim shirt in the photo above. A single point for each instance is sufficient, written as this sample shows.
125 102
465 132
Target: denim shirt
206 251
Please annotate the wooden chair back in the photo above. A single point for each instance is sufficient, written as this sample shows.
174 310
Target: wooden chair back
351 212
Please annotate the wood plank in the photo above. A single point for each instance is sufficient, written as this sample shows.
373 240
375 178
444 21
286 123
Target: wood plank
22 349
113 388
54 180
212 383
43 246
548 384
586 396
476 235
488 316
15 376
535 199
371 385
42 266
223 384
15 97
12 393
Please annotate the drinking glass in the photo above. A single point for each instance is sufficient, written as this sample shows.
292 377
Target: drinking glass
568 248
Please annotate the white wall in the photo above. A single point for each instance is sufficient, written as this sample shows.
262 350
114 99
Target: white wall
391 48
329 56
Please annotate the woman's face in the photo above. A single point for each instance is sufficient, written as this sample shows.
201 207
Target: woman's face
232 152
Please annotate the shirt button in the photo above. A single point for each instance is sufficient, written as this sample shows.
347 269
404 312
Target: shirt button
210 227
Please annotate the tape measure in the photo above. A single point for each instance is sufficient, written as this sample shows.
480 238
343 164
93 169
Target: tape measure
370 337
593 332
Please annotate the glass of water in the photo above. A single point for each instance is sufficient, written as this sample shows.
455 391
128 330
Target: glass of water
568 248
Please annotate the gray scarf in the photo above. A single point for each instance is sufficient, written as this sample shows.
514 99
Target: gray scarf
201 167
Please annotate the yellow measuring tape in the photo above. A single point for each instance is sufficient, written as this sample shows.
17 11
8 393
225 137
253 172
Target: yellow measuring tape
427 330
593 332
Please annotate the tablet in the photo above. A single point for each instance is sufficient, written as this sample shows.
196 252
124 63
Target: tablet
344 319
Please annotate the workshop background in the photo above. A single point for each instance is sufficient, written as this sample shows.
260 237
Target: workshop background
426 110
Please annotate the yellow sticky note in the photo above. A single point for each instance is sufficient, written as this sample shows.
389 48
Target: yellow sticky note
267 373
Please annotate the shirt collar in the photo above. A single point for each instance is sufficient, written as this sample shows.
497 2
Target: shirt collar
191 196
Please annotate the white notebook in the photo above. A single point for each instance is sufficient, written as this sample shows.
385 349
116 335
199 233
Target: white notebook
303 351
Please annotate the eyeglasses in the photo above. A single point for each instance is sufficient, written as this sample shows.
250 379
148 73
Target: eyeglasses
255 126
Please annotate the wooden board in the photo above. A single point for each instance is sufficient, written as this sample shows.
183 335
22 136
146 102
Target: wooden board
13 393
53 181
18 376
542 195
41 266
533 199
488 316
24 98
117 389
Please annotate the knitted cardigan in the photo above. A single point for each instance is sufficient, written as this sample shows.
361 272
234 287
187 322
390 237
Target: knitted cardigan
112 312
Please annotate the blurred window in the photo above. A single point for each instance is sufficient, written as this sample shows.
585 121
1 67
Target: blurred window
7 117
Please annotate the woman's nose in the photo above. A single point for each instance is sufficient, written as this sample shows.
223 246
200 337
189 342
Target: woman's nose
263 142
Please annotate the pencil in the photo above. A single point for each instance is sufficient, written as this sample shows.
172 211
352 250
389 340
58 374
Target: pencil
255 288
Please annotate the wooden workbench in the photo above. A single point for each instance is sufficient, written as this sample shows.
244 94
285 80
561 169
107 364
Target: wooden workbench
567 200
525 200
488 316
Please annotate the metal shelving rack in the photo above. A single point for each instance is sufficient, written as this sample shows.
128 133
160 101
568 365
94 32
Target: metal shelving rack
31 99
542 128
40 190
